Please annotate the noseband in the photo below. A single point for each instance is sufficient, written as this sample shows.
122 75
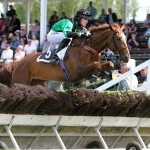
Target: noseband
115 44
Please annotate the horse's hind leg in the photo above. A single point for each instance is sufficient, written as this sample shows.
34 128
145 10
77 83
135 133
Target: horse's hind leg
21 75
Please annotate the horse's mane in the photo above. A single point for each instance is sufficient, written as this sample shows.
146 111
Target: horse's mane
99 27
113 26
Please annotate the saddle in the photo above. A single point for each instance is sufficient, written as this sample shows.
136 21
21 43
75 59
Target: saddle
54 56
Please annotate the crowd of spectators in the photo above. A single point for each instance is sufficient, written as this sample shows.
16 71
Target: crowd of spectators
15 43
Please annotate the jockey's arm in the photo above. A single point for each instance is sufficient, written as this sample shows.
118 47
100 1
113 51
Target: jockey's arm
73 34
78 34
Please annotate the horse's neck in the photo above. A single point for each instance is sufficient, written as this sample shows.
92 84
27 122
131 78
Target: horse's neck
100 40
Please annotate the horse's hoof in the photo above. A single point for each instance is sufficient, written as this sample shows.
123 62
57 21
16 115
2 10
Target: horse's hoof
111 65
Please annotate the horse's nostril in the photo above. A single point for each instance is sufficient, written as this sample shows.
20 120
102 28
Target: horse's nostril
125 59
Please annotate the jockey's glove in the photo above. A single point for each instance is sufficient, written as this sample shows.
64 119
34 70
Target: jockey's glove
87 34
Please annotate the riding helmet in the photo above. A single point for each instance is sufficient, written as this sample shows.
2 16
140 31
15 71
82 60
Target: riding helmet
82 13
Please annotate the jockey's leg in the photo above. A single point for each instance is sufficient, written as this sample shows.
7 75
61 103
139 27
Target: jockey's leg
57 38
64 43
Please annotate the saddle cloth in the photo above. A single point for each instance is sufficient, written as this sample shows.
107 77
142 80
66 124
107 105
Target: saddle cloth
48 56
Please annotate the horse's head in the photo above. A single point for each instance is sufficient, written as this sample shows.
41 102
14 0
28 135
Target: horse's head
110 36
117 42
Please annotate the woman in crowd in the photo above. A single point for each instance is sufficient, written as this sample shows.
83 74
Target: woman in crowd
133 26
20 53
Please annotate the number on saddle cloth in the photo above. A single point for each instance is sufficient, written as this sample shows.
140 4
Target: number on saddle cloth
47 56
59 53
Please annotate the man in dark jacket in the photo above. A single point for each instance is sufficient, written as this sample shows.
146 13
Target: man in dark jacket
16 23
111 17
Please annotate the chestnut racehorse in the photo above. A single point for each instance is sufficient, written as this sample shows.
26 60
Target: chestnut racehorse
83 57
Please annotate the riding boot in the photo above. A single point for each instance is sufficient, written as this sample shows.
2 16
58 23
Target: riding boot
62 45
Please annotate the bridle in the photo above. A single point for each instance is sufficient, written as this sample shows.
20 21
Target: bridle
115 43
83 45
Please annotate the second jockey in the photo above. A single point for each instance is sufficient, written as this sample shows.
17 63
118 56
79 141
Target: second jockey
64 29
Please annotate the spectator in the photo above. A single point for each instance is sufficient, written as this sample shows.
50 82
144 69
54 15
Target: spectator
17 33
23 42
102 17
147 32
2 27
3 18
131 82
19 53
35 41
63 15
149 42
147 21
147 35
53 19
92 10
29 47
9 24
14 43
3 43
127 33
16 23
23 35
142 78
35 29
7 54
111 17
11 12
133 42
10 35
109 53
45 45
132 26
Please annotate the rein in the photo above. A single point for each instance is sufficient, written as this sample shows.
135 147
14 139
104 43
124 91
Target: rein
90 49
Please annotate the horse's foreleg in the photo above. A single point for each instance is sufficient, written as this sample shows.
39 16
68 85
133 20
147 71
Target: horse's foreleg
100 67
37 82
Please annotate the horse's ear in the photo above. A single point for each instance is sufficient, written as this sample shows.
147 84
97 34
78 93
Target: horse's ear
113 26
123 27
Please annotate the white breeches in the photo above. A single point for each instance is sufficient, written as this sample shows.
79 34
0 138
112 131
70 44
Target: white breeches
55 38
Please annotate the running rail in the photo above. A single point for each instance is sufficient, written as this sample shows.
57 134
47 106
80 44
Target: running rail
129 73
10 120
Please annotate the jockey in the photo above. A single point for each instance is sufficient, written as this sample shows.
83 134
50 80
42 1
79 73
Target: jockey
64 29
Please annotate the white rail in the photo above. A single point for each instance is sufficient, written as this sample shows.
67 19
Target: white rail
10 120
130 73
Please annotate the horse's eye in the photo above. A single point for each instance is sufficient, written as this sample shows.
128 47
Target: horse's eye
119 39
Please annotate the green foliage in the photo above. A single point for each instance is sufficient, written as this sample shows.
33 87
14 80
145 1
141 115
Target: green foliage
71 7
21 11
34 10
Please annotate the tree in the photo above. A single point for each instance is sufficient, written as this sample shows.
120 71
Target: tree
71 7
